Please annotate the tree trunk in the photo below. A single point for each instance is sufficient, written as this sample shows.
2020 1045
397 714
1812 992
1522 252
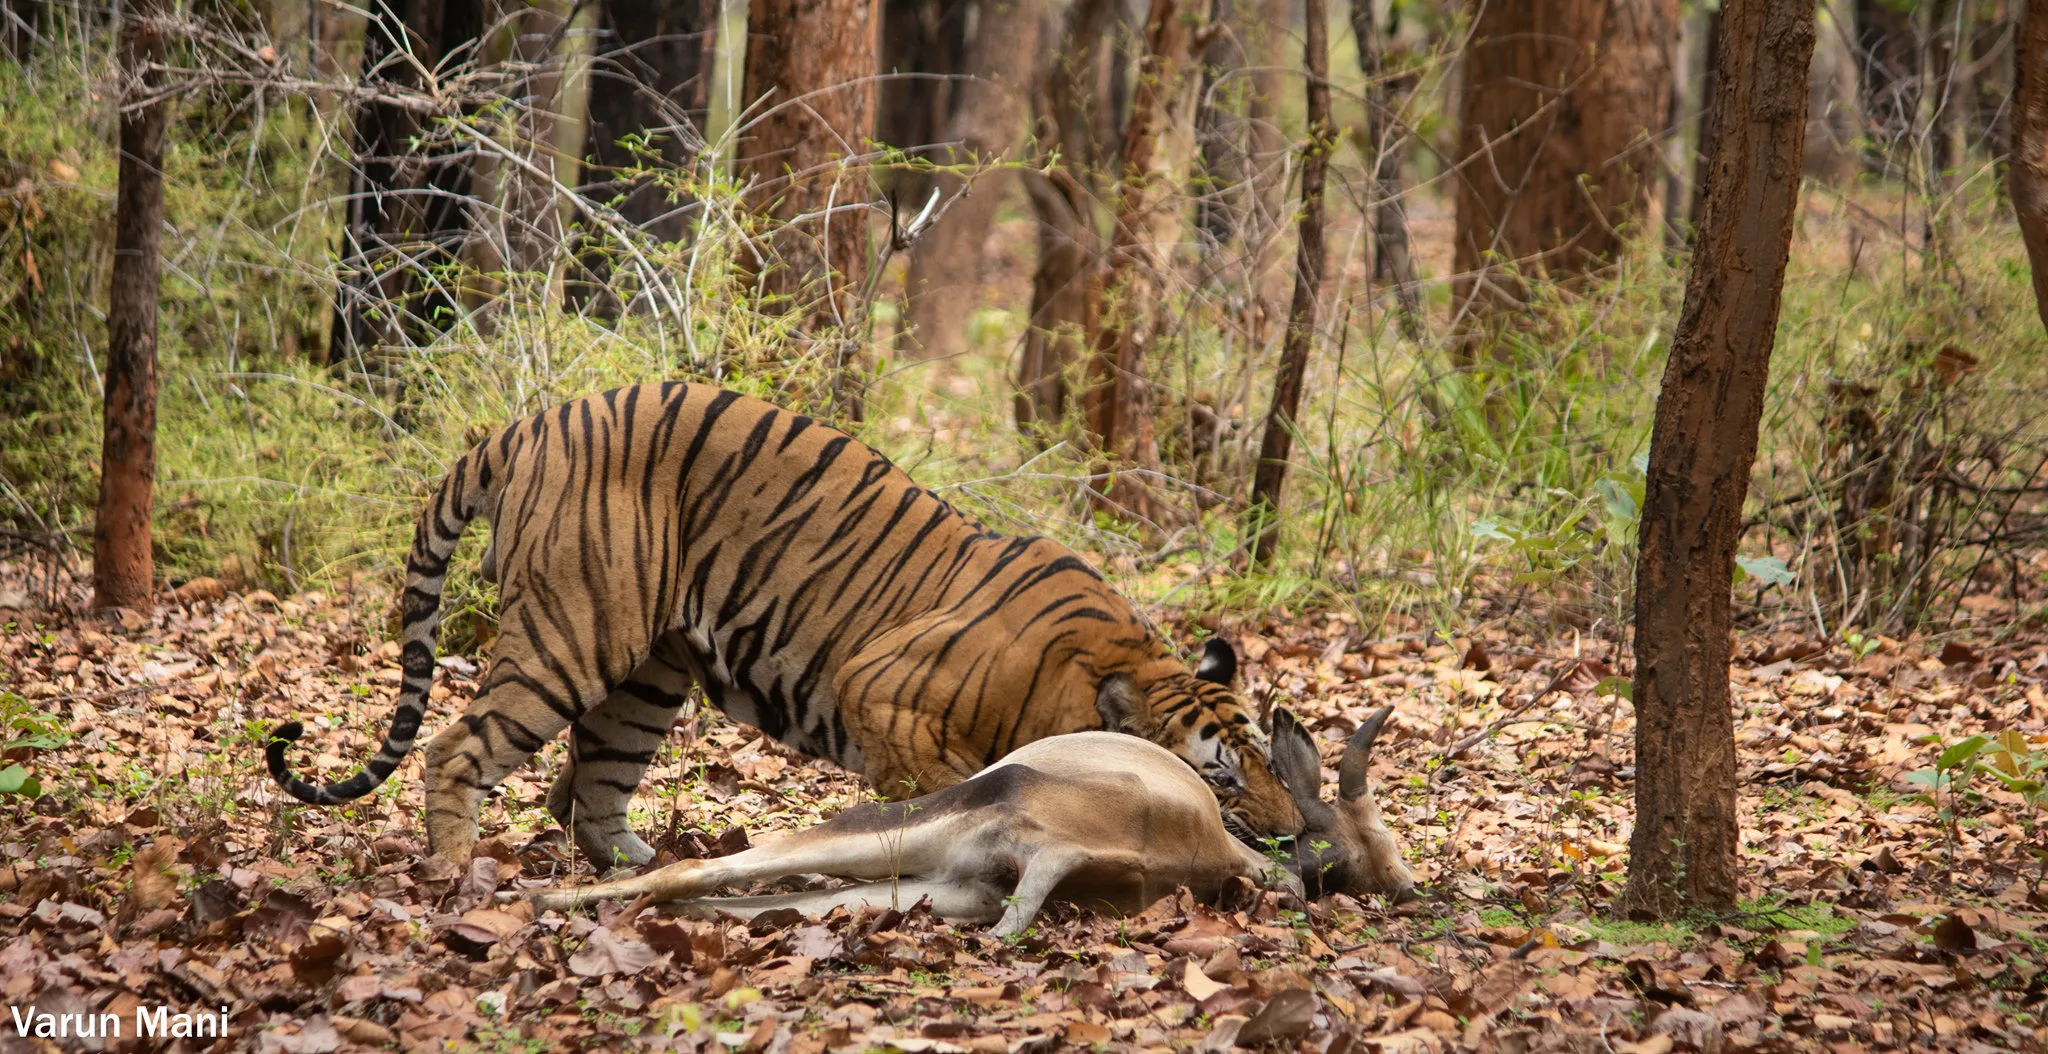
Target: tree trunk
1989 123
21 24
1889 64
1683 853
2027 167
810 74
1244 72
519 227
408 211
122 565
1944 101
1063 195
1158 146
944 276
1271 477
1710 92
1562 103
1386 141
651 75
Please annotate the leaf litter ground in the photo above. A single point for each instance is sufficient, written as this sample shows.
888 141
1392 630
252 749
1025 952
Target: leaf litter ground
160 867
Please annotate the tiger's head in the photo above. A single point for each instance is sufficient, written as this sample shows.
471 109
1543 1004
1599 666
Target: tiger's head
1198 717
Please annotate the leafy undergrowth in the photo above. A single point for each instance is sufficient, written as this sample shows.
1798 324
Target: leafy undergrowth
158 866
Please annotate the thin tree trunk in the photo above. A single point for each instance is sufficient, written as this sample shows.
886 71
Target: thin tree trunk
1237 125
2027 167
1562 100
1710 91
1270 480
1989 125
1682 855
944 275
519 229
122 566
1676 171
1386 141
652 76
21 21
811 64
1888 63
1944 101
1158 146
1063 195
408 211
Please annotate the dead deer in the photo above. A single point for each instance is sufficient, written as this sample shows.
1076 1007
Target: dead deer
1097 819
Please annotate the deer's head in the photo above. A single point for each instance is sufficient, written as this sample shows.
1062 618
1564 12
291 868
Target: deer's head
1345 846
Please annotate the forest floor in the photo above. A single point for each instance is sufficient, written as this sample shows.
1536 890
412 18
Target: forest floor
159 866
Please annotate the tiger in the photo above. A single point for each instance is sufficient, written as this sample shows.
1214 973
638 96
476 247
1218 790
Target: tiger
652 539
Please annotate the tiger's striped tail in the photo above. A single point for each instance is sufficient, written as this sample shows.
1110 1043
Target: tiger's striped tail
459 499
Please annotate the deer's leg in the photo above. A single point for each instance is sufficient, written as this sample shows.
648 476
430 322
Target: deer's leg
969 901
870 843
1116 876
609 751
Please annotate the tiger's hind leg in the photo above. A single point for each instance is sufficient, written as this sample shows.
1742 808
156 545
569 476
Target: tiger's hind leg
609 751
528 697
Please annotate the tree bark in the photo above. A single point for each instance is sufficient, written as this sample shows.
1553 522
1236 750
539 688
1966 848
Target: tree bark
408 211
810 71
1683 853
1063 195
123 567
1562 104
944 274
2027 167
652 76
1386 141
1158 146
1270 479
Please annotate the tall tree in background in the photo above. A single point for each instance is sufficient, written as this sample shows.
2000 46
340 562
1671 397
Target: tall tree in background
985 125
651 77
1159 142
2027 167
518 226
1271 477
1888 68
408 212
810 86
1243 150
122 565
1562 104
1682 855
1063 193
1386 144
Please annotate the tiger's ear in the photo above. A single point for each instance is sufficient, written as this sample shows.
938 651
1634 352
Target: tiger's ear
1219 662
1119 702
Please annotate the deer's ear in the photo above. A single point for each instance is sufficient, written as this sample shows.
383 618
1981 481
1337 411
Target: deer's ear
1119 702
1219 662
1295 759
